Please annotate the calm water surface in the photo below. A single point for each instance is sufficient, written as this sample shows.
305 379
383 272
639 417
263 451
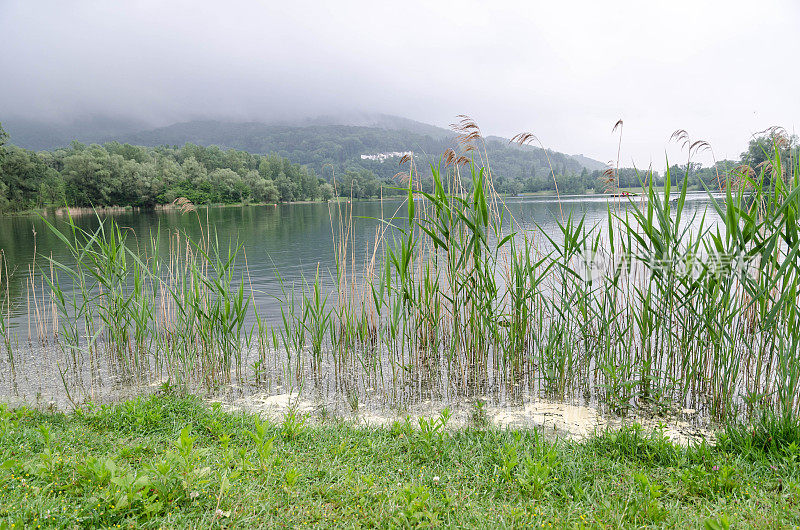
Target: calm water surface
294 240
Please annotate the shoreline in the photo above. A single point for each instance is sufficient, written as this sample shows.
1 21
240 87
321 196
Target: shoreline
83 210
61 211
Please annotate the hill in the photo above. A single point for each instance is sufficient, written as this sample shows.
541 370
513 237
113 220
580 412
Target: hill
590 163
350 146
375 147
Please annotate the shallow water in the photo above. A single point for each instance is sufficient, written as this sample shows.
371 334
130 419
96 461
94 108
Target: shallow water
363 401
551 418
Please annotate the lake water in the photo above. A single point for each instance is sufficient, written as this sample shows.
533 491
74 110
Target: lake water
294 240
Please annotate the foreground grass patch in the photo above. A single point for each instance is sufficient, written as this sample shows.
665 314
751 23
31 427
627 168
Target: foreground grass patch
171 461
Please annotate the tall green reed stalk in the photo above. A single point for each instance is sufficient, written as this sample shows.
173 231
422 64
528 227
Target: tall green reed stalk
653 308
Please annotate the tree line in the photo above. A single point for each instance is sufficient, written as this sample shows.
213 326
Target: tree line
115 174
337 150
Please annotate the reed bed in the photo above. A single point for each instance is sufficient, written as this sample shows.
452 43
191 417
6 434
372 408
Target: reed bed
649 309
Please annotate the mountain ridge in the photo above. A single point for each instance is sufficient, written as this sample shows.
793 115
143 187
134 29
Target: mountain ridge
43 135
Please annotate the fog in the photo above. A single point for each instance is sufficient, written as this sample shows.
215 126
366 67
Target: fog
565 71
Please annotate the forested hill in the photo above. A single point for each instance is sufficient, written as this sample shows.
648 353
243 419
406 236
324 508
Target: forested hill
327 146
361 150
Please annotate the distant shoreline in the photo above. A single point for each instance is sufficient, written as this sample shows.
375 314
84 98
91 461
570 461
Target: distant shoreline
83 210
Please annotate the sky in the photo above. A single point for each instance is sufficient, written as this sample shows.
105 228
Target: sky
565 71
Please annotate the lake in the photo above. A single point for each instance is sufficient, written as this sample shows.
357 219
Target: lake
293 240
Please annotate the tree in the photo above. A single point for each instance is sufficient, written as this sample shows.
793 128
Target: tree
225 185
269 191
287 189
85 174
326 192
513 187
3 138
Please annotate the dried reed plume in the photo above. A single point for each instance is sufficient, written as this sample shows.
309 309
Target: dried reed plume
468 132
527 138
184 204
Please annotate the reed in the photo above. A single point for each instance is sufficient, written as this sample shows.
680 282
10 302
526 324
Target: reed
652 308
5 310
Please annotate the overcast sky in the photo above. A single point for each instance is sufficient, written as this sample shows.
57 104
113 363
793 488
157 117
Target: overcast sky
564 70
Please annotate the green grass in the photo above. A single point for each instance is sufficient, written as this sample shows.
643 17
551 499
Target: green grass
170 461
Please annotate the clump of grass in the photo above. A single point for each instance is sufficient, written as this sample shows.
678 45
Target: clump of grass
183 316
768 434
478 414
634 443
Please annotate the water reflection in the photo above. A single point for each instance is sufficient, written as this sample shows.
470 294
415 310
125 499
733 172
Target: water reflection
285 244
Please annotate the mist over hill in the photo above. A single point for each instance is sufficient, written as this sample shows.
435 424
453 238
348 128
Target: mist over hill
40 135
337 139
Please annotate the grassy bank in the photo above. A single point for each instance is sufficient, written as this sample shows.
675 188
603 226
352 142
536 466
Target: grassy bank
170 461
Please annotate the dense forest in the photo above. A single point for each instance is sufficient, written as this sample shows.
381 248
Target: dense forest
126 175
